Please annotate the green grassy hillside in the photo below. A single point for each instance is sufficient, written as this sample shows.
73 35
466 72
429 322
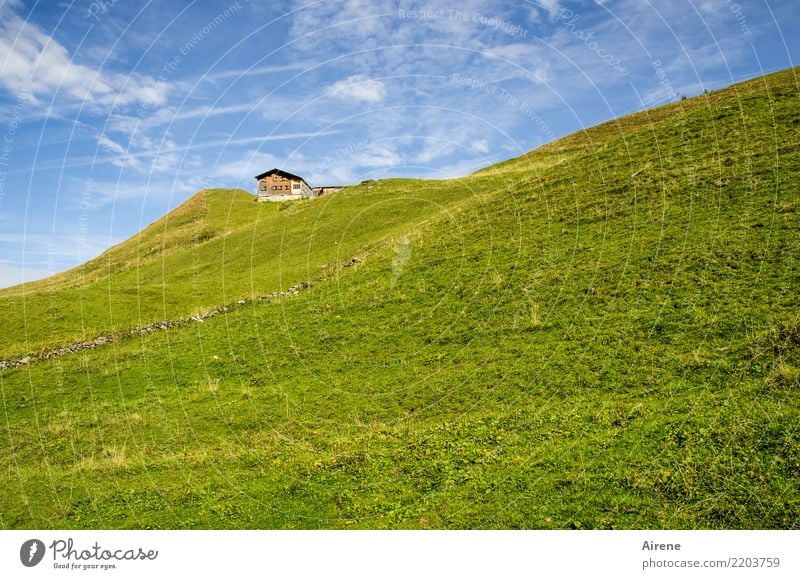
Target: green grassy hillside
218 247
602 333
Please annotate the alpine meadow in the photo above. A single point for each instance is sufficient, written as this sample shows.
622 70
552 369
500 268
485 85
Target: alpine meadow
602 333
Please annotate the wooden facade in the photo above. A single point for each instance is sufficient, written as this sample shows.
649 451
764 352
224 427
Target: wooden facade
277 185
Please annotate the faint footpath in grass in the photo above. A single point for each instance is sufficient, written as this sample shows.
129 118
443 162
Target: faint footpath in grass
212 384
402 253
111 456
61 426
536 319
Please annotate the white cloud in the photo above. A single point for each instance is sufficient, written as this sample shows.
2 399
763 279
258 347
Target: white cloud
164 163
110 145
351 168
553 7
376 156
710 6
359 87
524 60
170 115
252 72
37 64
243 170
480 146
122 155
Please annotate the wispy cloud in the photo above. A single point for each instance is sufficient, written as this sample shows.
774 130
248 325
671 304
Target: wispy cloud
480 146
38 64
359 87
553 7
255 71
124 157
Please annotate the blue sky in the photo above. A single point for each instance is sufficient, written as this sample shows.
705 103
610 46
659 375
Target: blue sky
112 112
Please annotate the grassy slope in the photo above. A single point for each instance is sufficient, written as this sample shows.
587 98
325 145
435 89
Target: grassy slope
216 248
601 333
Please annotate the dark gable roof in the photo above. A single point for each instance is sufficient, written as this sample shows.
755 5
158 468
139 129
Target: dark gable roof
285 174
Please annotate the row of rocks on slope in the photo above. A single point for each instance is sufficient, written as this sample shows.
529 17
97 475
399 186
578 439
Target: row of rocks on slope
143 330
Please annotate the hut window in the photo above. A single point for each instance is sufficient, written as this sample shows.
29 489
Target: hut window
296 186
